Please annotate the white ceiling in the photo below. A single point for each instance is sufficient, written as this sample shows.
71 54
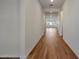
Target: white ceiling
57 4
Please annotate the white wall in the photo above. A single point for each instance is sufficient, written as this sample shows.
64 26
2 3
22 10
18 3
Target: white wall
21 26
60 27
34 24
71 24
9 28
22 18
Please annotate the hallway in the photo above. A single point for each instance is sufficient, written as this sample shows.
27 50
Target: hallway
51 46
39 29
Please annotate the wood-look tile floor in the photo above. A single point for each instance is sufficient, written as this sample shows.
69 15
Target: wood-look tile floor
51 46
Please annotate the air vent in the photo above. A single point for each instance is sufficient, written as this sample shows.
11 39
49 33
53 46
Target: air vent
51 5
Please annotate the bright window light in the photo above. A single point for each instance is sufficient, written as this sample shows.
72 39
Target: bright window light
52 0
50 23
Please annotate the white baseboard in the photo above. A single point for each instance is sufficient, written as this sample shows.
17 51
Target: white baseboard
8 56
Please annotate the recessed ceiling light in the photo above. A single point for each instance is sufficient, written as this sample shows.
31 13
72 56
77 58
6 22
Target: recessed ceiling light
52 0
